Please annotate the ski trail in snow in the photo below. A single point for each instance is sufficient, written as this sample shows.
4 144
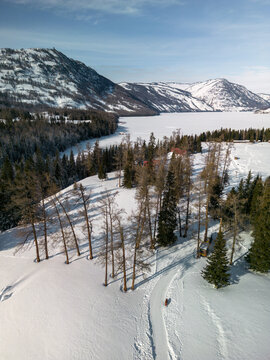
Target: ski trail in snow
221 336
163 349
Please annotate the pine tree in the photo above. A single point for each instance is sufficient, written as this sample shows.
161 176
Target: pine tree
167 220
128 170
259 254
216 270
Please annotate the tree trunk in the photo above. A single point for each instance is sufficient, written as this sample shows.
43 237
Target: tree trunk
137 245
106 248
35 239
156 218
71 226
124 257
45 229
206 217
179 221
62 232
112 246
187 212
152 241
199 222
87 225
234 232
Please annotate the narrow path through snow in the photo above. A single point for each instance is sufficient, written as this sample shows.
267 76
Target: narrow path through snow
163 350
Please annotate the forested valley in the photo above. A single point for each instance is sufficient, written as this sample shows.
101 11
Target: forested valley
169 196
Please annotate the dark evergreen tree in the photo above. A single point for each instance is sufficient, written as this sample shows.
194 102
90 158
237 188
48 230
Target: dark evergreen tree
128 170
216 271
256 200
167 220
7 173
101 171
215 197
259 254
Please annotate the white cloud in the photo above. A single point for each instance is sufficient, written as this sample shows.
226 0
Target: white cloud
109 6
256 79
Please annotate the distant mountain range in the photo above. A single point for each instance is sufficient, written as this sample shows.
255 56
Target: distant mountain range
211 95
41 78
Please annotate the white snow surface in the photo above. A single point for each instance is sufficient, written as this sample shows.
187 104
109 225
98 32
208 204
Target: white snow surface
56 311
167 97
223 95
189 123
265 96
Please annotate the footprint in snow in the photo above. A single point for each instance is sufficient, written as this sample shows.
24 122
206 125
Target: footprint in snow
4 295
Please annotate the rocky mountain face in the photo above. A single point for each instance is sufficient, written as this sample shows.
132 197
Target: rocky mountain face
166 97
211 95
223 95
47 78
41 78
265 97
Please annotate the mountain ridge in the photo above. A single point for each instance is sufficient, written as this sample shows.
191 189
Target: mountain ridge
39 77
211 95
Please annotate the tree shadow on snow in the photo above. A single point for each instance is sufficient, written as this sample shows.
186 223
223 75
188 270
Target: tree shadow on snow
239 268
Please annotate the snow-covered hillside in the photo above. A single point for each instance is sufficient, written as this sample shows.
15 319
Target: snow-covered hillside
166 97
265 97
56 311
46 77
223 95
211 95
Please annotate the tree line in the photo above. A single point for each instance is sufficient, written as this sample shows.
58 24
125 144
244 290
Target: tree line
22 133
167 192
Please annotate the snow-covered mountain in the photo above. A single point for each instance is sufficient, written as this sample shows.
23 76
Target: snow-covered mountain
211 95
223 95
46 77
166 97
265 97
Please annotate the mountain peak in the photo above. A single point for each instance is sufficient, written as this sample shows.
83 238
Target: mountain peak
41 77
224 95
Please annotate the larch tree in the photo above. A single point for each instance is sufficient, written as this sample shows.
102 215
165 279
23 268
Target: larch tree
64 234
64 207
84 198
198 187
104 253
144 195
177 166
138 220
122 256
208 175
234 220
188 187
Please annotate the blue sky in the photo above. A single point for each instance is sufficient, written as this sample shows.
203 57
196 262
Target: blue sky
149 40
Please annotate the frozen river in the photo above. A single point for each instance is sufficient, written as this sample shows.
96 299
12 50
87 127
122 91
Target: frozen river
189 123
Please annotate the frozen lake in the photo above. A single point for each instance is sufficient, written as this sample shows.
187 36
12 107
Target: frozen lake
189 123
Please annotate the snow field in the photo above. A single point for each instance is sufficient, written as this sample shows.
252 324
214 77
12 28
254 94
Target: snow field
189 123
56 311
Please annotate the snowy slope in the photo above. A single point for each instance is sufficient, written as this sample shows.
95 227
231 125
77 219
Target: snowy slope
46 77
166 97
223 95
56 311
265 97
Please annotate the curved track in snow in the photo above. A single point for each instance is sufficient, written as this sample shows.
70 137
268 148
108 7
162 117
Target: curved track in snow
163 350
162 346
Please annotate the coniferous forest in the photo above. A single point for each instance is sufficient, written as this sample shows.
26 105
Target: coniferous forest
33 170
